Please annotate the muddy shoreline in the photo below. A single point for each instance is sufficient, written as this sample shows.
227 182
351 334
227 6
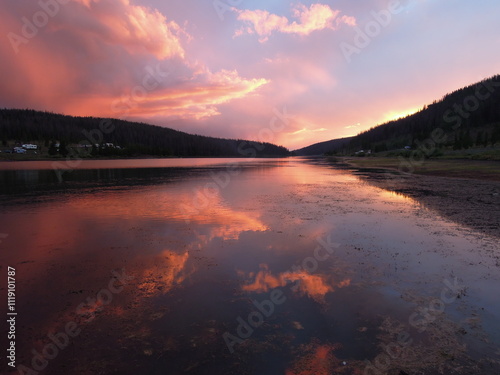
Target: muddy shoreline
473 203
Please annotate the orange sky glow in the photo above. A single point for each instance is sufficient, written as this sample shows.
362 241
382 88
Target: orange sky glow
223 73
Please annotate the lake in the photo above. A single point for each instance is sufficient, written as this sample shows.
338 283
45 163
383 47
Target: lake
237 266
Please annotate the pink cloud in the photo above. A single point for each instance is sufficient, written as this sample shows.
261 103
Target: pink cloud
316 17
137 28
96 57
197 99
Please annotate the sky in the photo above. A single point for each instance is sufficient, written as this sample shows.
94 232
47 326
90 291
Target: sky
287 72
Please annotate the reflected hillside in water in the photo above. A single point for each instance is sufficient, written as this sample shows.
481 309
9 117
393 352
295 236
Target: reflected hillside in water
46 177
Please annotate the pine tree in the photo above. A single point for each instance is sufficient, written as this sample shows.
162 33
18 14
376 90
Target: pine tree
467 141
486 139
479 139
52 149
63 150
495 136
457 144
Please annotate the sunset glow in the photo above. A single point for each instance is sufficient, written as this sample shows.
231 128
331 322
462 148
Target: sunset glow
223 71
315 286
400 114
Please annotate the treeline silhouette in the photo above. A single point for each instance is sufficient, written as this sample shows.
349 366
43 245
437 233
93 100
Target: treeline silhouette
323 147
60 132
468 117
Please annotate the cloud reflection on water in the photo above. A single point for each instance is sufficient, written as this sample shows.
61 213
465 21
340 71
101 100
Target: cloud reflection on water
315 286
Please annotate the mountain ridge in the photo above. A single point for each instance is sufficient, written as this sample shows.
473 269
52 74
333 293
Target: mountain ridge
132 138
467 117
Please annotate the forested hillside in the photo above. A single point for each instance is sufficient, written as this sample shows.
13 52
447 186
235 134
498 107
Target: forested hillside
323 147
468 117
127 138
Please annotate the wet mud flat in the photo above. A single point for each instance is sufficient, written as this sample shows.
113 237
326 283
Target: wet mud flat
470 202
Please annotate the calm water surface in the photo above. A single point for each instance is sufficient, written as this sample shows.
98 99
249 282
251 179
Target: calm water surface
227 266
